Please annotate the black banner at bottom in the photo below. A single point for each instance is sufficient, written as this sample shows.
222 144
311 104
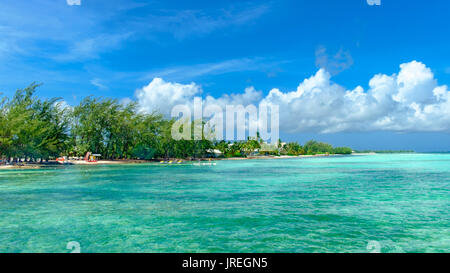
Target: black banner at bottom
222 262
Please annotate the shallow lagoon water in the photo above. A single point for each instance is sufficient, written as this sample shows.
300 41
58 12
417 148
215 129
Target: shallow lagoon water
335 204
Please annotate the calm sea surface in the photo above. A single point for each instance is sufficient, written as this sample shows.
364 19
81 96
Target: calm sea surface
398 203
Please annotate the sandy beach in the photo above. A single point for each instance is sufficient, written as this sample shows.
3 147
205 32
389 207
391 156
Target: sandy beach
132 161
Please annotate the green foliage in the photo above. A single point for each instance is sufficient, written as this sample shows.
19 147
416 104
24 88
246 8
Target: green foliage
237 154
42 129
342 150
31 128
250 146
239 148
272 153
222 146
293 149
314 147
120 132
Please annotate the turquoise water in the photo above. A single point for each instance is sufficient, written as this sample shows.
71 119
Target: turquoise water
288 205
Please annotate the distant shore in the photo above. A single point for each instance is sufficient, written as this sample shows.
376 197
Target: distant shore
136 161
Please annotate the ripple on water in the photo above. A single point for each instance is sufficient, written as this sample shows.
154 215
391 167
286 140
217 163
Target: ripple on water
294 205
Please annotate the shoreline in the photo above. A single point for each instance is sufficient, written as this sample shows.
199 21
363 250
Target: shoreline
25 166
54 163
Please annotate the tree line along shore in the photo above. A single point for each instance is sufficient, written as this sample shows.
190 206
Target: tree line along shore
38 130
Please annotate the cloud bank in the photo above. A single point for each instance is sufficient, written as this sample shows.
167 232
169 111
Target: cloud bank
409 101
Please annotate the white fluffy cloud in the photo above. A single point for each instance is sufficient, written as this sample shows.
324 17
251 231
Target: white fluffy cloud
162 96
408 101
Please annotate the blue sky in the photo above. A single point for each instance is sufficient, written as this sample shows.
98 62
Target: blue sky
112 48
